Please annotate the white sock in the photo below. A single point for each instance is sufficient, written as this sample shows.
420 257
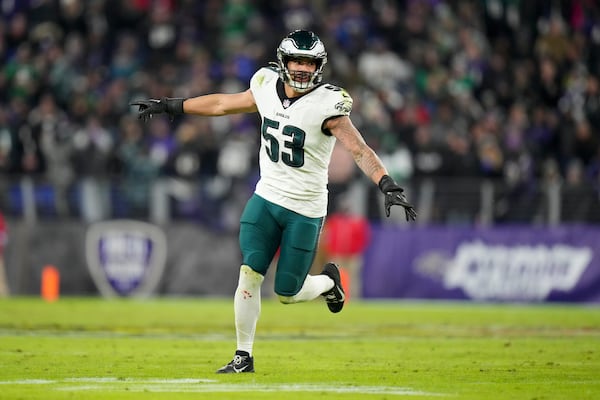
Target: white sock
313 287
246 305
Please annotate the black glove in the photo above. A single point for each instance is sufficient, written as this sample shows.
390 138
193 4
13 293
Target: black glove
394 196
153 106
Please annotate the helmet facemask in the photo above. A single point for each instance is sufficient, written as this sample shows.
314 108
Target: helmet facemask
301 44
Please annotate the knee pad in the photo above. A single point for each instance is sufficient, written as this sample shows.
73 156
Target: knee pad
286 284
286 299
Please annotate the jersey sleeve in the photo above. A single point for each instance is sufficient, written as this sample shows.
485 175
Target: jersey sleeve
336 102
261 78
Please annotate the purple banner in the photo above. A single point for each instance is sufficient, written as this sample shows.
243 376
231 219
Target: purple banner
515 263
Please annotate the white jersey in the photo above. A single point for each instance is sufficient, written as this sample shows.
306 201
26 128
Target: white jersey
294 151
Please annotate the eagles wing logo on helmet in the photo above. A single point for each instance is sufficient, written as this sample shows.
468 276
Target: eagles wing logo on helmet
301 44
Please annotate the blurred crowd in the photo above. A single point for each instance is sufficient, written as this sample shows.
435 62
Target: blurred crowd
506 89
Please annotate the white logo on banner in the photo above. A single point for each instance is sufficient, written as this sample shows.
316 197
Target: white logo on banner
515 273
125 257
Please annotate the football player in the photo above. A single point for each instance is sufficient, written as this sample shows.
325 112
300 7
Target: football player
301 119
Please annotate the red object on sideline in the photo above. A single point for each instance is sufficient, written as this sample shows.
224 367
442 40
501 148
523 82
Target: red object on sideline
50 283
345 277
346 235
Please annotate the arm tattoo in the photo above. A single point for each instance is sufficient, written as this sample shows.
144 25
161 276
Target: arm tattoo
369 163
366 159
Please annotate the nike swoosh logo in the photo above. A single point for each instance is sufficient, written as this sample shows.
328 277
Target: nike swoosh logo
238 370
333 299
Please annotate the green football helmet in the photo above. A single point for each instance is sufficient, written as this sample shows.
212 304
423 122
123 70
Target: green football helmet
301 44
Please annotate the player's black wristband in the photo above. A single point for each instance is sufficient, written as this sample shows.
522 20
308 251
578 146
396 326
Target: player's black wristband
174 105
387 184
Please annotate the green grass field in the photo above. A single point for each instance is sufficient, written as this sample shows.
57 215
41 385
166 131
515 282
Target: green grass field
90 348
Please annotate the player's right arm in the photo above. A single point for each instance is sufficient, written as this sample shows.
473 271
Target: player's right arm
215 104
220 104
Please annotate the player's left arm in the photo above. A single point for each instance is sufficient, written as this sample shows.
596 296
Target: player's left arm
369 162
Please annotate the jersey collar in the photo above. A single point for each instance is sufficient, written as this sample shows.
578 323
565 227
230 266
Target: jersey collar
286 102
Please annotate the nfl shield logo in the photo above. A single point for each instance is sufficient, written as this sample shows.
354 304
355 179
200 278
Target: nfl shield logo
125 258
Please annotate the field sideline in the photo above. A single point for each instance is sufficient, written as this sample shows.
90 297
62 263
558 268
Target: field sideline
166 348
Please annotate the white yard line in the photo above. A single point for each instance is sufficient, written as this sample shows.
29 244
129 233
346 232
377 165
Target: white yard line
194 385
